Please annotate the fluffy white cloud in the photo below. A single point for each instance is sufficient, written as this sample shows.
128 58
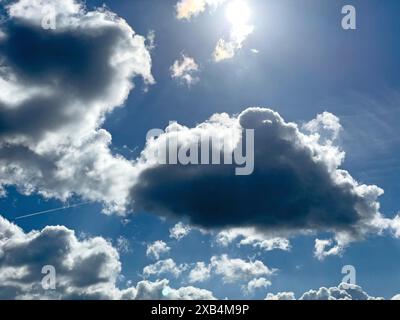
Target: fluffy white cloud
324 248
236 270
186 9
52 106
185 70
281 296
230 270
255 284
159 290
201 272
156 249
342 292
179 231
167 266
252 237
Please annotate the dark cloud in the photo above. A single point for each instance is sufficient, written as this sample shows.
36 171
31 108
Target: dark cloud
296 185
56 87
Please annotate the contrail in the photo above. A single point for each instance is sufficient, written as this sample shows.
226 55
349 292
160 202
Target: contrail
53 210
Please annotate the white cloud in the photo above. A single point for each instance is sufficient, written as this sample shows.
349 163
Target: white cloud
342 292
281 296
201 272
230 270
51 138
325 126
252 237
186 9
167 266
255 284
324 248
236 270
156 249
159 290
179 231
185 70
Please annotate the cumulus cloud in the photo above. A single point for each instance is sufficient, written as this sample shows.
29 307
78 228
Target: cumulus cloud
186 9
200 273
342 292
185 70
235 270
297 186
230 270
156 249
255 284
52 105
85 269
252 237
324 248
159 290
179 231
281 296
163 267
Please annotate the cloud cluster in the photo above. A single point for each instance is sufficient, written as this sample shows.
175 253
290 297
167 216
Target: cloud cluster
297 185
86 268
342 292
53 100
185 70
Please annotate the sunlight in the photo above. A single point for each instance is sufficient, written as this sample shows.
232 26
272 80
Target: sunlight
238 12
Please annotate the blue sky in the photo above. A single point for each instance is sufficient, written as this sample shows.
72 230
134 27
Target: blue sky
305 64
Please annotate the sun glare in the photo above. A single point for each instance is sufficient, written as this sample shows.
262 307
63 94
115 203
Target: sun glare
238 12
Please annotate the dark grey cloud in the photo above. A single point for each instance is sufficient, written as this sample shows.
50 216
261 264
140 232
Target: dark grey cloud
296 184
74 65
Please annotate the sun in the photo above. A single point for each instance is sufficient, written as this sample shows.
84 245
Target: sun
238 12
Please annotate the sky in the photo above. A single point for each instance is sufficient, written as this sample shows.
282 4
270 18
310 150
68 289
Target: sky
82 84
